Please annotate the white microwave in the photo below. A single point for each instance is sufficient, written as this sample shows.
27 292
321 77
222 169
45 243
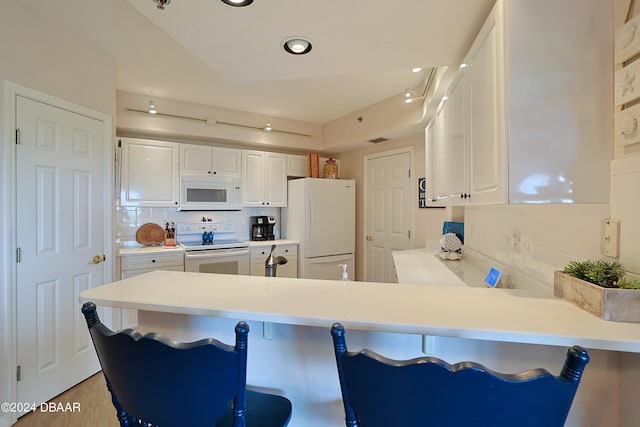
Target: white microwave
210 194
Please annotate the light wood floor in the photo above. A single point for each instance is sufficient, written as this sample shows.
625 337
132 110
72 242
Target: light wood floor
95 407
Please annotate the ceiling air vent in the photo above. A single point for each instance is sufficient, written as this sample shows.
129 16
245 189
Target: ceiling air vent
378 140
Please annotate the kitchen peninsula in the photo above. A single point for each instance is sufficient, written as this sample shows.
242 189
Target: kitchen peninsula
508 330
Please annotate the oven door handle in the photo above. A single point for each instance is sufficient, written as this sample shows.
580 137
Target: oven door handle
218 253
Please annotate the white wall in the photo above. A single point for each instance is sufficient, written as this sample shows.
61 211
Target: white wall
44 57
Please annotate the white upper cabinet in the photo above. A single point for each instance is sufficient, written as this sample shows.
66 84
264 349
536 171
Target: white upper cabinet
528 116
297 166
484 116
265 179
203 160
150 173
457 139
430 162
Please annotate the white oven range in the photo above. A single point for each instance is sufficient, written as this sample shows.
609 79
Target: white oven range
211 248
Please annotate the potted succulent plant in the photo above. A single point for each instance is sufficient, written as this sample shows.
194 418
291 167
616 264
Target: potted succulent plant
601 288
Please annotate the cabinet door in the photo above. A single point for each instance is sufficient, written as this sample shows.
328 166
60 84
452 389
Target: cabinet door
195 160
252 174
441 186
297 166
431 163
487 154
457 140
290 269
265 179
150 173
227 161
275 179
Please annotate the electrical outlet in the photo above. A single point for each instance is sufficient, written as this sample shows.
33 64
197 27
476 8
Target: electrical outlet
526 242
610 236
515 243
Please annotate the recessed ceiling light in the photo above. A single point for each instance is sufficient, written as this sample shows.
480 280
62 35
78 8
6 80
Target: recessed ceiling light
416 69
237 3
297 46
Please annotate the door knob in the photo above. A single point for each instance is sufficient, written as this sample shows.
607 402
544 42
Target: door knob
98 259
370 238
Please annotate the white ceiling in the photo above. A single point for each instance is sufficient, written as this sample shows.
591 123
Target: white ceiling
206 52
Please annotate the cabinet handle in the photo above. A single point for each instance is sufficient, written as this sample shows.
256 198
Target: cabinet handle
209 172
214 172
153 260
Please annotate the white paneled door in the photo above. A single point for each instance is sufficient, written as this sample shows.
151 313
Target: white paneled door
60 235
388 215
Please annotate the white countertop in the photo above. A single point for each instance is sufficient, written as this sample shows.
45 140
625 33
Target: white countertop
139 249
509 315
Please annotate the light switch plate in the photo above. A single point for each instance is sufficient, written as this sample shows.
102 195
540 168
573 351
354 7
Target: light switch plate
610 237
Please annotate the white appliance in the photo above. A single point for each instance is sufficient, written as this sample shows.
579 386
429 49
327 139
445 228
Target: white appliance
207 194
212 248
321 215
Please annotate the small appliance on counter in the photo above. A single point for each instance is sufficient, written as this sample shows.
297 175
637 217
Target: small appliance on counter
262 227
450 247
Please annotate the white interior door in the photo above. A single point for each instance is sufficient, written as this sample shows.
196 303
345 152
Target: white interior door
60 229
388 210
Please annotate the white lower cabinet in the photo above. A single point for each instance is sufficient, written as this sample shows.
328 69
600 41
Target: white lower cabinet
259 255
136 264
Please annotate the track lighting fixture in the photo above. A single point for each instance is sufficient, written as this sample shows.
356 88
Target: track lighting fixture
161 3
410 96
209 121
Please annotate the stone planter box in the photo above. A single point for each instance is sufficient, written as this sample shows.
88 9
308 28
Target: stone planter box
618 305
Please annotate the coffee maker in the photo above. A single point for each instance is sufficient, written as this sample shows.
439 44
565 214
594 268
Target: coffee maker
262 227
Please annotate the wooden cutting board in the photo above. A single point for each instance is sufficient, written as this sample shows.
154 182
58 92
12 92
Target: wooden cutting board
150 234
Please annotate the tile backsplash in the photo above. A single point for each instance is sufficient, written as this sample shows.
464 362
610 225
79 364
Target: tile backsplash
536 239
625 176
129 219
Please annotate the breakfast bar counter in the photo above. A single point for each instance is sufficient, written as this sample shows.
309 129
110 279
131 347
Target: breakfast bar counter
508 330
507 315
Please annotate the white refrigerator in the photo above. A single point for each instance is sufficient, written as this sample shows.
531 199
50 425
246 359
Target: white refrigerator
321 216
